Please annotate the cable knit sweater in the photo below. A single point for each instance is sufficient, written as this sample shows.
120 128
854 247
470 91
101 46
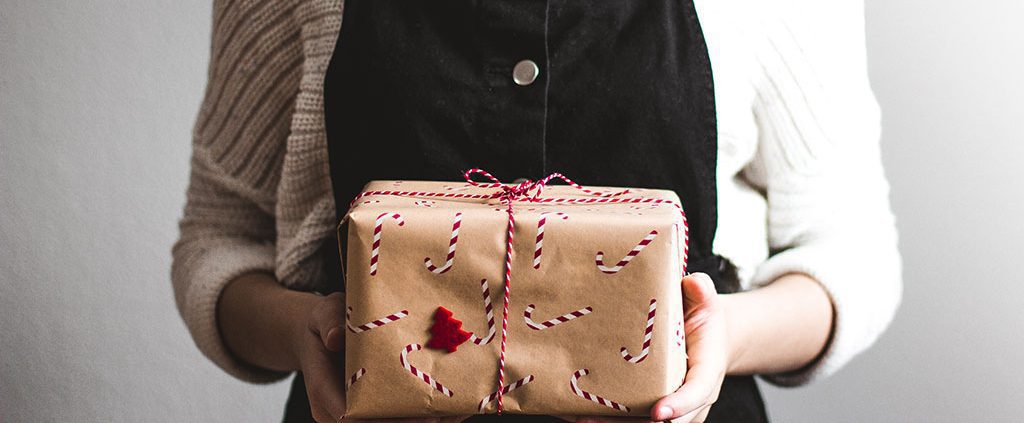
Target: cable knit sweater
801 186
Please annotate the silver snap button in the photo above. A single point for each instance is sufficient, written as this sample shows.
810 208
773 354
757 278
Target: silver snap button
525 72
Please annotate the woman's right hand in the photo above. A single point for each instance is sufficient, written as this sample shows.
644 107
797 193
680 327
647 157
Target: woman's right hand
267 325
320 340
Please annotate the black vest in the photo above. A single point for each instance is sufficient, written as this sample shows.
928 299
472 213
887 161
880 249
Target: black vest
615 93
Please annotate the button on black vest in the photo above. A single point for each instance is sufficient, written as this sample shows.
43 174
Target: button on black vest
615 93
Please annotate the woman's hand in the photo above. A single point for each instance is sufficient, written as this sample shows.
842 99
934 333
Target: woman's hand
267 325
738 334
320 339
707 347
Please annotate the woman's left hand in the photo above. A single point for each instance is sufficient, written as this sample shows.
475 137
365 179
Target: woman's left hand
707 345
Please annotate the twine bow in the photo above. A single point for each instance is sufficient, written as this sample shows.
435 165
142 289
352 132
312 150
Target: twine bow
508 195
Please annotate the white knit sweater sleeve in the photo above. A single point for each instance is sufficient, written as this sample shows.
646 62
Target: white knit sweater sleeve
223 236
228 226
818 164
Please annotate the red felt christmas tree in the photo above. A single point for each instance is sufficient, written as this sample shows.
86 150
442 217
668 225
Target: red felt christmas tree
446 333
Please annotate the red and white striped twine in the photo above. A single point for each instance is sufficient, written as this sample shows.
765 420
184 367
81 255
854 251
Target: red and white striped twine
539 243
574 382
528 316
355 377
599 259
685 247
377 228
453 242
648 332
509 194
504 305
488 310
543 182
373 323
505 390
404 358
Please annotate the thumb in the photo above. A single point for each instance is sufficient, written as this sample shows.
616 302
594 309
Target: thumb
334 340
698 288
328 321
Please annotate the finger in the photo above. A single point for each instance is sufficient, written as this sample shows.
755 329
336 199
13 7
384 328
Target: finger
702 320
697 391
703 415
698 288
334 340
328 321
695 416
324 385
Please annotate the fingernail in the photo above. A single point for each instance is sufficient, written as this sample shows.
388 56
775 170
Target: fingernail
708 283
663 413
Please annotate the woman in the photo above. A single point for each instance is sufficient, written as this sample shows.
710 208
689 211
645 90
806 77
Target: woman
759 115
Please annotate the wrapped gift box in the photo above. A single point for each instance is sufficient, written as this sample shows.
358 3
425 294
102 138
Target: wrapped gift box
595 311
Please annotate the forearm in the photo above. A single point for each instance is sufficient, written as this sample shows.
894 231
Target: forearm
780 327
260 320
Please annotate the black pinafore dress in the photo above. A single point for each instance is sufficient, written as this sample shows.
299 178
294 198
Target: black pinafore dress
613 93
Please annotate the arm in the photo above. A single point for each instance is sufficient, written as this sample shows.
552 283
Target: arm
778 328
223 235
819 165
280 318
276 328
832 283
228 225
795 305
238 313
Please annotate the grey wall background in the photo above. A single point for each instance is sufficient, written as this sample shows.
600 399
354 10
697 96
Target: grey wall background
97 99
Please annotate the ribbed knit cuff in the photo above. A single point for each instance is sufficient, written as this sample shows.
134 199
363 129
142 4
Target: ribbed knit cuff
864 301
210 270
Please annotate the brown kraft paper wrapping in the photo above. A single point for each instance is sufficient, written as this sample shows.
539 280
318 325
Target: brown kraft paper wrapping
568 279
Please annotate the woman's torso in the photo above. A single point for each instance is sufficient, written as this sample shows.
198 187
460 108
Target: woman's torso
621 94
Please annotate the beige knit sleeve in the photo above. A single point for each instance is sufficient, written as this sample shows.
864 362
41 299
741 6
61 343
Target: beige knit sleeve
228 226
820 167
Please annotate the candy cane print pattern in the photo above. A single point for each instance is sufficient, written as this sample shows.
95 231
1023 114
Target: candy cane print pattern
679 333
629 256
648 331
355 377
452 243
528 316
404 358
505 390
424 203
540 235
377 227
490 317
373 323
574 382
